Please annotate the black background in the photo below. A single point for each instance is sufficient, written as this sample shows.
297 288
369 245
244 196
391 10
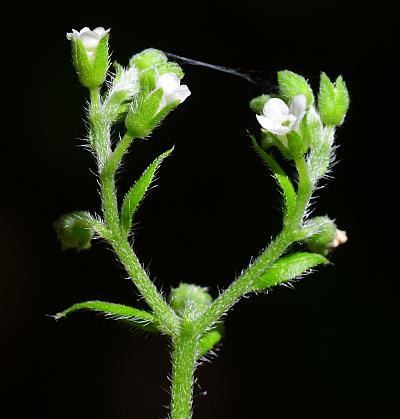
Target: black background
318 350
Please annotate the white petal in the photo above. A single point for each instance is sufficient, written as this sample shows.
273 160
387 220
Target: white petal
169 82
90 40
275 108
181 93
100 31
298 105
266 122
70 36
298 121
280 130
83 30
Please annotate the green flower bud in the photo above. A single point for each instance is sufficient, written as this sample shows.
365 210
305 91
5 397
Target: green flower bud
90 55
333 100
327 237
292 84
74 230
257 104
148 58
189 299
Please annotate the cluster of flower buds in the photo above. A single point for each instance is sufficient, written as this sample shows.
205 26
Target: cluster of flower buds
288 120
160 91
142 94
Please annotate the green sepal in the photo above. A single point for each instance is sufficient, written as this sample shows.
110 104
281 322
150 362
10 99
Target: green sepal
136 193
140 120
257 104
321 232
100 63
81 61
147 79
148 58
209 340
287 268
333 100
297 145
171 67
74 230
118 70
280 142
292 84
91 73
138 318
169 107
266 141
281 177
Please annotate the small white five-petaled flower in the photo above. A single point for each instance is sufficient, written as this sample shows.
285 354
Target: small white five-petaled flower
90 39
279 119
172 88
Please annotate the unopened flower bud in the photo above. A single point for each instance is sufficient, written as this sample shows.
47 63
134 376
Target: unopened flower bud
74 230
189 299
148 58
327 236
292 84
333 100
90 55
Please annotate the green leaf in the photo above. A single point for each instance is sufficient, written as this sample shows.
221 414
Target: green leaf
282 178
138 318
136 193
287 268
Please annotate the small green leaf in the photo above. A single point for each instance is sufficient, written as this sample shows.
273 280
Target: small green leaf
138 318
209 340
282 178
136 193
287 268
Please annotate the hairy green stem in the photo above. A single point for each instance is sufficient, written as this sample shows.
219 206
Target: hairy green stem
169 321
118 153
184 357
271 254
100 131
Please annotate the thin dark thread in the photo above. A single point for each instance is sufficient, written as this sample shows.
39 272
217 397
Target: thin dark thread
236 72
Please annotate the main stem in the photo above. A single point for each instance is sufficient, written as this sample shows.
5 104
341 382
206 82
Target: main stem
184 357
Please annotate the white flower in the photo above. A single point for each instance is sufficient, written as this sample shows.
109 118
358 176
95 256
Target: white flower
278 119
90 39
172 88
